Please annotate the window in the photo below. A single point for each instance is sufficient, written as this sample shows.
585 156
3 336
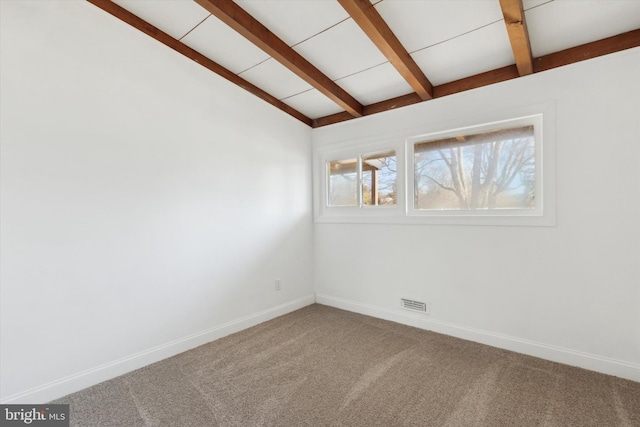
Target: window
489 174
483 171
368 180
379 179
343 182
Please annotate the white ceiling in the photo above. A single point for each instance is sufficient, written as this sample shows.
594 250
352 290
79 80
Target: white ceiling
562 24
449 40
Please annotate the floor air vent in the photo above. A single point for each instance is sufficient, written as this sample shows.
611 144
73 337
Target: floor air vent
412 305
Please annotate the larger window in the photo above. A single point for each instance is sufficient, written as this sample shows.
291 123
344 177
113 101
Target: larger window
476 171
487 170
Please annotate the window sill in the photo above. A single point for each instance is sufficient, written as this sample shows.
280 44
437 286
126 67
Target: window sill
546 220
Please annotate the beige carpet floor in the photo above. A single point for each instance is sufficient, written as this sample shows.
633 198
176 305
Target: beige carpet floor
321 366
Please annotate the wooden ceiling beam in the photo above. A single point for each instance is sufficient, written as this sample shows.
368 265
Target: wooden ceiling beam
375 27
613 44
378 107
620 42
516 24
468 83
154 32
246 25
591 50
479 80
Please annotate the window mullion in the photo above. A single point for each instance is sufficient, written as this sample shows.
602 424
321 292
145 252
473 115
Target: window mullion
359 182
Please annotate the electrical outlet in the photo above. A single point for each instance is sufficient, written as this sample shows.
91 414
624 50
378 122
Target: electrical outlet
278 284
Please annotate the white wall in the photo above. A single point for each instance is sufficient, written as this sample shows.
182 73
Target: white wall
569 293
147 205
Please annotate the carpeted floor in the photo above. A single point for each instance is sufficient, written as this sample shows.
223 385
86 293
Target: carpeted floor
320 366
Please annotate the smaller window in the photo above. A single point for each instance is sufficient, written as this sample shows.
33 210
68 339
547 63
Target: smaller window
367 180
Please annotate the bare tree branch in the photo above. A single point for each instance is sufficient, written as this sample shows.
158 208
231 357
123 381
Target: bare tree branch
444 187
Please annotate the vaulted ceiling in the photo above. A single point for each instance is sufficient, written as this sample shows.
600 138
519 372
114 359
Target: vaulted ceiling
326 61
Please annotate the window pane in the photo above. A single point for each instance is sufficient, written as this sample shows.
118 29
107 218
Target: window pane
343 183
379 179
490 170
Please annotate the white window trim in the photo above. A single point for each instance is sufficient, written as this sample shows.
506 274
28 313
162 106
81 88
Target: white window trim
402 141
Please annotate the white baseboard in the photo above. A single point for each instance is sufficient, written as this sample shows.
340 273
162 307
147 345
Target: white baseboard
605 365
72 383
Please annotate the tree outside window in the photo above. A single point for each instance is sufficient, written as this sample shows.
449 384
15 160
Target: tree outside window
489 170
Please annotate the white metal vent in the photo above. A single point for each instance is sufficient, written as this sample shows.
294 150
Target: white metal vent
412 305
